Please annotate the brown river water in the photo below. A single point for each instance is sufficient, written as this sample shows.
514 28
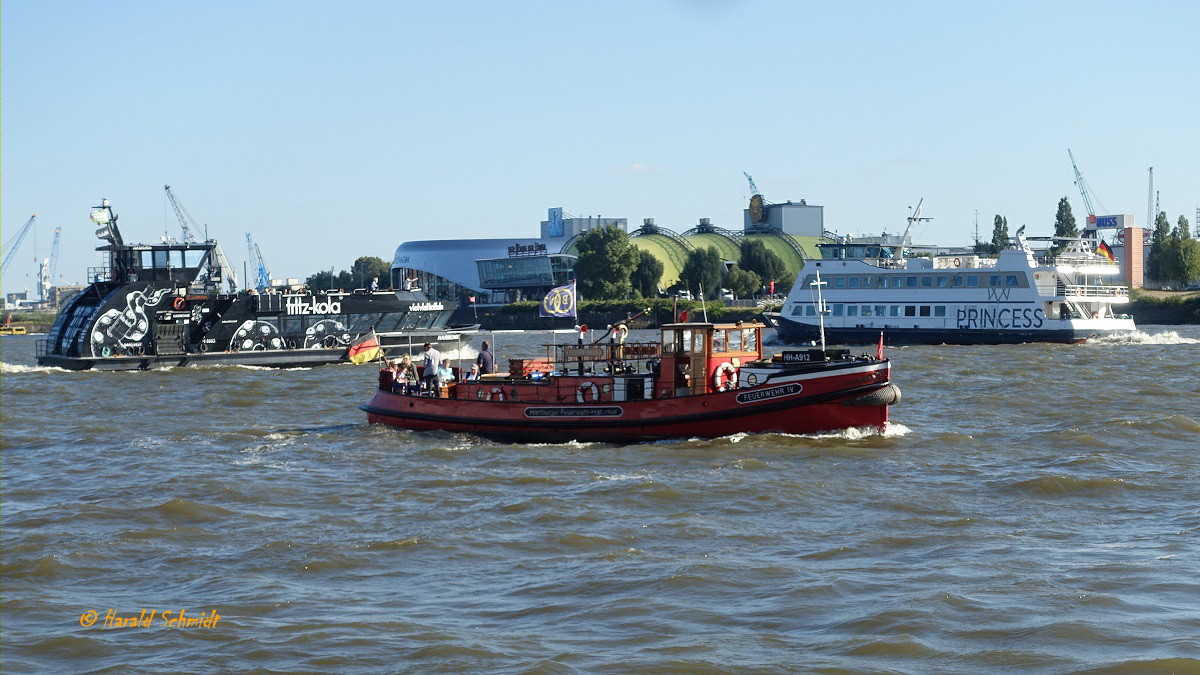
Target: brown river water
1033 508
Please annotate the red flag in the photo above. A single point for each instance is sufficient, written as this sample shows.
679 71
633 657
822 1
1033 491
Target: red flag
683 316
772 285
879 351
471 298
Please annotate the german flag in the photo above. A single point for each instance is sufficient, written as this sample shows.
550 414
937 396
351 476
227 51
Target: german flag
1105 251
365 349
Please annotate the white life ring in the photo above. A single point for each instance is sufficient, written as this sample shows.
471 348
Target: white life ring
622 333
958 262
497 392
724 377
587 386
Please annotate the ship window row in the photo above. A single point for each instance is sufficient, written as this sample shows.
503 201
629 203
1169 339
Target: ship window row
843 309
921 280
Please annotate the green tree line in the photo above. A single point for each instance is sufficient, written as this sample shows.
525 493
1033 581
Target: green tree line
360 275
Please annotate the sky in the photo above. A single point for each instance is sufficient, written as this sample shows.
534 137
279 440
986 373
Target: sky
332 130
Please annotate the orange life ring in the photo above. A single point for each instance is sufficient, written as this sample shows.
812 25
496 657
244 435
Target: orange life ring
724 377
179 303
498 392
587 386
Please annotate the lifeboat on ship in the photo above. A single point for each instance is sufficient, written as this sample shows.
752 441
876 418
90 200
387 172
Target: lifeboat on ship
697 380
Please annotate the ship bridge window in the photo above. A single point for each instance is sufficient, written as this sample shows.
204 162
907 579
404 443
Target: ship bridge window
972 280
839 282
866 310
798 309
994 280
943 281
894 310
910 282
854 282
894 282
880 310
958 280
718 341
735 341
838 308
363 322
810 310
939 310
1010 280
750 339
927 282
852 310
193 258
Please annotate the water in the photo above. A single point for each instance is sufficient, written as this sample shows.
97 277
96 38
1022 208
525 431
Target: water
1032 508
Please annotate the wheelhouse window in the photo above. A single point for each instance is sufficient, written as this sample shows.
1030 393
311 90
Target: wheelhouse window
854 282
994 280
926 282
943 281
910 282
895 282
973 280
1010 280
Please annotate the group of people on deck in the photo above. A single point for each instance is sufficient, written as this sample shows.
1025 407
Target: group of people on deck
400 375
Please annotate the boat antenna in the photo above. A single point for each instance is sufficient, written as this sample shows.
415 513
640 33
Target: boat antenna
820 307
703 305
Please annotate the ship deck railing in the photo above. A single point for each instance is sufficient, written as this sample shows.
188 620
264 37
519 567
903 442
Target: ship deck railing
1092 291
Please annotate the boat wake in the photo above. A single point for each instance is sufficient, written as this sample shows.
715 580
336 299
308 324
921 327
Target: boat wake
1138 337
13 369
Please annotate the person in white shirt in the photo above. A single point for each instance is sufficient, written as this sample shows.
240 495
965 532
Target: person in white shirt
432 359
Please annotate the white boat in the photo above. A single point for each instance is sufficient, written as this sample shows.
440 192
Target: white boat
1018 297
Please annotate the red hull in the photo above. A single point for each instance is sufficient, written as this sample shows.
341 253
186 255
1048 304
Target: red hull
817 402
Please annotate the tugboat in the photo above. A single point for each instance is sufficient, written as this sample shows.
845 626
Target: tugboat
162 305
698 380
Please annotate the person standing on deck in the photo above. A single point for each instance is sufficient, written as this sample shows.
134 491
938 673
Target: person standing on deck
485 362
432 359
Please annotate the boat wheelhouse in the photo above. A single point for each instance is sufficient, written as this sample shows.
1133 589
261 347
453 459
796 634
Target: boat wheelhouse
956 299
697 380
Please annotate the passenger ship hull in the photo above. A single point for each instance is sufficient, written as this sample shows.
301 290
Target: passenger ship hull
795 332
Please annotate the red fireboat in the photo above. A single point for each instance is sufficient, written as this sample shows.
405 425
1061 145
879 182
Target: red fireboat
699 380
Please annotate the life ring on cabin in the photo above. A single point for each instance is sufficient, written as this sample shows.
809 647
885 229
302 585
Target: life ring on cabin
958 262
587 386
496 392
622 333
179 303
724 377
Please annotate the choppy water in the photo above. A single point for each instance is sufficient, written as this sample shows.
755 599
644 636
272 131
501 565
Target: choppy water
1033 508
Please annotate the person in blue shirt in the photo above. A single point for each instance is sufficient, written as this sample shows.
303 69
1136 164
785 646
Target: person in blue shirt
485 361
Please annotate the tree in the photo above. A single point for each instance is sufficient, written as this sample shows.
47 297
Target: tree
1158 247
369 267
1177 258
757 258
703 268
606 263
785 282
742 282
999 234
646 275
1064 225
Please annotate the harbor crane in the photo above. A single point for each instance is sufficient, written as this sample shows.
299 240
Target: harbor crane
262 278
12 249
913 218
185 222
48 269
184 217
753 188
1085 191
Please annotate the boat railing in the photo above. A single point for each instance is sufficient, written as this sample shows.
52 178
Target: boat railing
568 355
1091 291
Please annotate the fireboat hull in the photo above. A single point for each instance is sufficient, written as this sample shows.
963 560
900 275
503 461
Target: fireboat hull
829 403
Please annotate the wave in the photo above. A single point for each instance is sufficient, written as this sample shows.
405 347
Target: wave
1138 337
14 368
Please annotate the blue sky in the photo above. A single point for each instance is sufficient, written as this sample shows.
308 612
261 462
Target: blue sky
332 130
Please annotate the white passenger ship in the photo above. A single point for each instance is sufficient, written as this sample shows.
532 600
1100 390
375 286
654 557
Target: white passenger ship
868 289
